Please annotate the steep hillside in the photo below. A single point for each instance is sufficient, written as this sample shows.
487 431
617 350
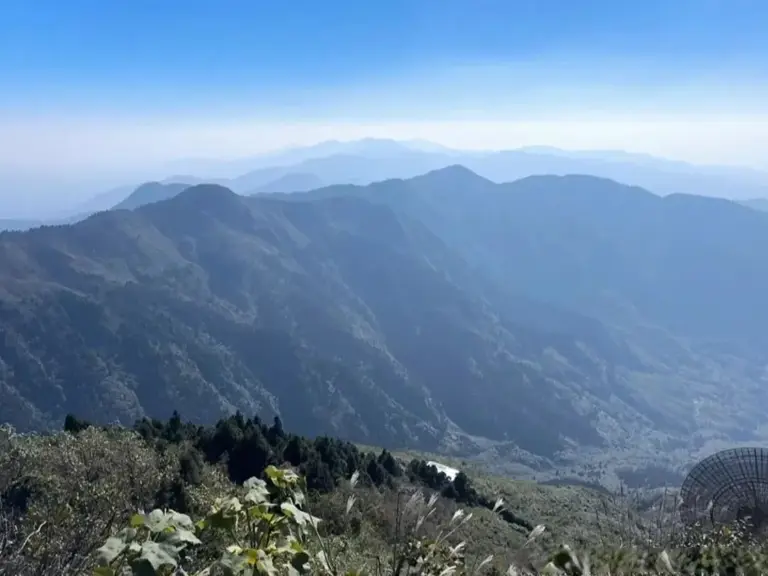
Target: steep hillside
337 314
568 315
615 252
678 279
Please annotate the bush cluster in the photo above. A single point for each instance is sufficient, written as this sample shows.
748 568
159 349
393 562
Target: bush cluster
247 446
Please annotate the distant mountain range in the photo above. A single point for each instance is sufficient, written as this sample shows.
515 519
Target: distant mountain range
558 315
371 160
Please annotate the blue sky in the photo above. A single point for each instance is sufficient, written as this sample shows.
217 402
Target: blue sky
192 66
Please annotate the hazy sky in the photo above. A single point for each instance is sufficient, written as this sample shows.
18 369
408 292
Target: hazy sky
100 85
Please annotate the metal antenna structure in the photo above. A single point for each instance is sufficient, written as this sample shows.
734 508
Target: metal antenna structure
728 486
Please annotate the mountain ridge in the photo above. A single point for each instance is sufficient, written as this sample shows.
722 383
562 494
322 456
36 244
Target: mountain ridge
369 160
417 313
211 214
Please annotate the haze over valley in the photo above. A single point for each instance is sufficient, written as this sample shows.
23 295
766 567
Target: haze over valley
442 312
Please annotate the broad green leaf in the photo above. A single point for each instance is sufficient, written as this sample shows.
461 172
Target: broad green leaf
181 536
104 571
301 517
111 549
159 554
231 564
254 482
179 520
156 521
137 520
221 520
273 473
257 494
251 555
231 505
261 513
290 475
264 564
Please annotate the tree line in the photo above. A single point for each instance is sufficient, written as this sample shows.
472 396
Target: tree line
247 446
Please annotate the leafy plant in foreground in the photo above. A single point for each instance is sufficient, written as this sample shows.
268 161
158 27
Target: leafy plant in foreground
266 531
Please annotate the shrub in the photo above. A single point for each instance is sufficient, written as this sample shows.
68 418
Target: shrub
61 494
267 530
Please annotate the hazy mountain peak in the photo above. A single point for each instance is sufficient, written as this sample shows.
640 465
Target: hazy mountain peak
208 193
580 183
456 175
200 204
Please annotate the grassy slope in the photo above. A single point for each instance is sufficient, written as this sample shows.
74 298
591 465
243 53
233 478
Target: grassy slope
68 518
570 513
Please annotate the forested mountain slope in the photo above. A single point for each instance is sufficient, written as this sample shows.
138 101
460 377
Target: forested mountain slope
441 312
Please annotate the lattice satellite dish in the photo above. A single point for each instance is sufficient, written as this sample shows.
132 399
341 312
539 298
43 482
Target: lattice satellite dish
728 486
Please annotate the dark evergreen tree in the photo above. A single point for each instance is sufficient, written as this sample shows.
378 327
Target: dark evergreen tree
294 451
73 425
173 432
276 432
389 463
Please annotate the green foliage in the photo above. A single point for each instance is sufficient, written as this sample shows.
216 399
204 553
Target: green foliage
248 447
74 501
266 531
152 543
61 494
